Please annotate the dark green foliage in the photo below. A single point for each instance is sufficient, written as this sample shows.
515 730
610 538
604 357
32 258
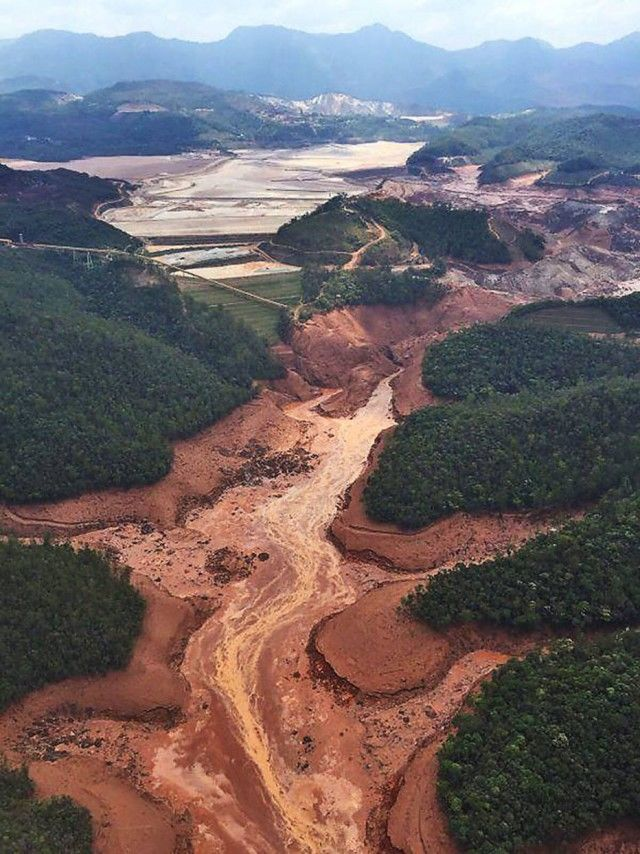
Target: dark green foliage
333 227
57 207
550 751
584 141
377 286
40 224
170 117
531 244
29 826
64 613
90 401
439 230
524 451
585 574
508 358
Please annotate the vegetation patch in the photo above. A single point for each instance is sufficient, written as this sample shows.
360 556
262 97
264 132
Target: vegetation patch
439 229
509 357
549 751
39 826
511 453
333 227
64 613
323 291
57 207
585 574
584 143
102 369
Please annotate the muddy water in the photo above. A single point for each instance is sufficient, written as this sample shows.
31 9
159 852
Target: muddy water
236 661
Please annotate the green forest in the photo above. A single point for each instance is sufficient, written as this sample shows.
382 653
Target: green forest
579 144
328 235
57 206
511 453
332 232
31 826
440 230
99 374
324 291
508 358
583 575
64 613
549 750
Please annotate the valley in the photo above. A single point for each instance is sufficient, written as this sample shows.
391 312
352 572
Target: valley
279 698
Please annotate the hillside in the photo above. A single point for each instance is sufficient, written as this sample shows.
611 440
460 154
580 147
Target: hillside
373 63
508 453
153 117
583 575
29 824
145 365
510 357
57 207
331 233
579 147
548 750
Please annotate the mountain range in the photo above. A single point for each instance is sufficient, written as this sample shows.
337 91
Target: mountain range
373 63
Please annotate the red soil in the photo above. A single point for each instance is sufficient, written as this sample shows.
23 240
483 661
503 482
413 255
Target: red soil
48 725
353 349
200 467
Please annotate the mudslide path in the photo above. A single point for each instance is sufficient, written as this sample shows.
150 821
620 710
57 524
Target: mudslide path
237 664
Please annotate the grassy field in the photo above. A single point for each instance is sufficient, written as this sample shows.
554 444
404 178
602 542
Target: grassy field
577 318
281 287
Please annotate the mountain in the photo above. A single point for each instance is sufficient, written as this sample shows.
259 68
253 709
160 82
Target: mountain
371 64
157 117
334 104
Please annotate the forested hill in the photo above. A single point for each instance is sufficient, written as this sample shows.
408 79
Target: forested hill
106 373
334 230
57 207
577 146
154 117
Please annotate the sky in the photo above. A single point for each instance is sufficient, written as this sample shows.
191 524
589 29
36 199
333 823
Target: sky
447 23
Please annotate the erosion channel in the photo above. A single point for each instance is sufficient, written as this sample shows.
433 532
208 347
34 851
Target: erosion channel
241 661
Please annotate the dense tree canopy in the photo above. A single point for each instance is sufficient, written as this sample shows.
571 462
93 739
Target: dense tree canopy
376 286
508 358
30 826
585 574
89 401
513 452
550 751
64 613
440 230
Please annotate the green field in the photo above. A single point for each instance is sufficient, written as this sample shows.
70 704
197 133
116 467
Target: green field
281 287
577 318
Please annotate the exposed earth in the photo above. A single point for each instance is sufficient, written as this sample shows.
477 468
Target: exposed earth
279 698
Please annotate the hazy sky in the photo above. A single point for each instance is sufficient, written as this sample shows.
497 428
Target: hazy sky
449 23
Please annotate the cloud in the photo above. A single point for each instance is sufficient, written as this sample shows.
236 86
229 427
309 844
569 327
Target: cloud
450 23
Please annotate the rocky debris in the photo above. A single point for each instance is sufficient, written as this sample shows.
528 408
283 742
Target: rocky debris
572 272
612 218
262 465
226 565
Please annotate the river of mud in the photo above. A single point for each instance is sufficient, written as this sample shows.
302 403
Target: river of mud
245 657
